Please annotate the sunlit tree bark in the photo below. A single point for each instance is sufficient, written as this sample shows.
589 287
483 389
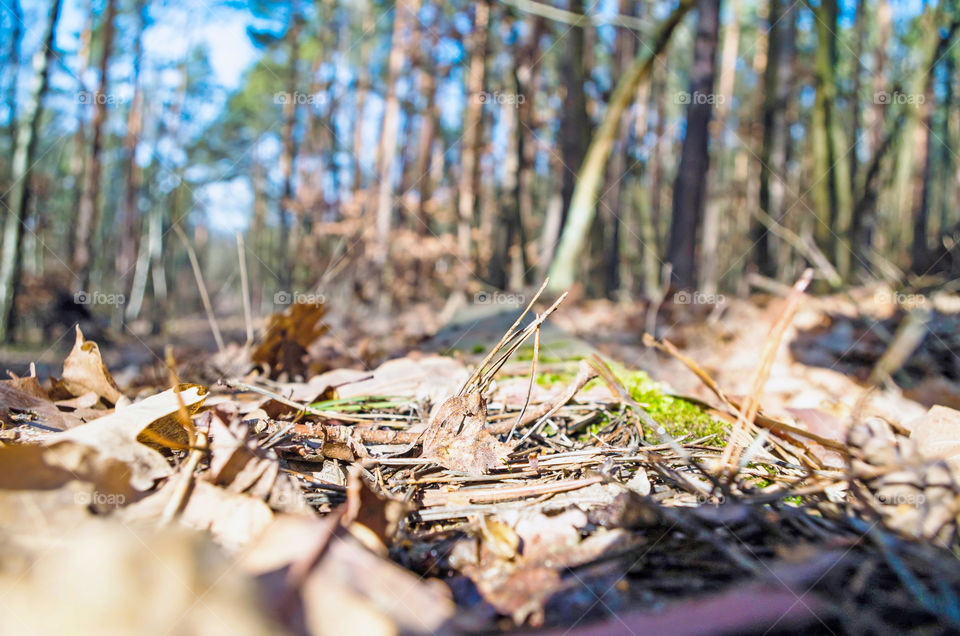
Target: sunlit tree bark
690 185
18 203
583 205
88 214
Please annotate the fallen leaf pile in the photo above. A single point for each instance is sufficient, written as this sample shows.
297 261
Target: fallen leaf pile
419 498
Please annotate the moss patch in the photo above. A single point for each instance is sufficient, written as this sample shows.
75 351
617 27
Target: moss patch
678 417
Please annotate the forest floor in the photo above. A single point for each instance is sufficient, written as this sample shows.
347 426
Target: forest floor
396 474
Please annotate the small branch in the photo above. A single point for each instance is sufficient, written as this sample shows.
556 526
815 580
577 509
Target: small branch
207 307
751 406
245 289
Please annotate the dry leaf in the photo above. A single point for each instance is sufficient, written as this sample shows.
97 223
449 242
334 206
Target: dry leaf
125 434
350 589
429 378
85 372
457 437
102 577
372 518
240 465
937 435
233 519
23 398
283 349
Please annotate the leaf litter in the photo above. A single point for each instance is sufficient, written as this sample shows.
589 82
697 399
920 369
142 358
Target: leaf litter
420 497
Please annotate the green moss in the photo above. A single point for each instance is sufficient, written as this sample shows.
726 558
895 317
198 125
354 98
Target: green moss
549 379
678 417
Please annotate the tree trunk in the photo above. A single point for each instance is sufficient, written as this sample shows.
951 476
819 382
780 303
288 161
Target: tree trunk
832 191
574 121
583 204
21 168
919 253
709 272
403 10
777 83
690 184
127 256
508 215
13 65
289 225
882 34
362 87
417 175
472 134
88 215
612 208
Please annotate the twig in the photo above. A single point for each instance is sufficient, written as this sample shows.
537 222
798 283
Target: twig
533 377
204 297
584 375
656 300
330 415
245 289
908 337
748 412
500 493
506 337
179 495
733 404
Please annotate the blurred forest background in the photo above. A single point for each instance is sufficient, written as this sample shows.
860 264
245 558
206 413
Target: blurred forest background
387 152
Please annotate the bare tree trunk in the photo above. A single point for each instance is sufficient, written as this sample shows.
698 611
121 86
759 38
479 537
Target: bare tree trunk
88 216
652 275
362 87
832 188
416 175
289 227
528 81
882 34
690 184
13 65
709 272
777 82
920 251
574 121
403 10
421 179
23 158
612 209
509 225
126 258
583 205
78 158
472 134
860 29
